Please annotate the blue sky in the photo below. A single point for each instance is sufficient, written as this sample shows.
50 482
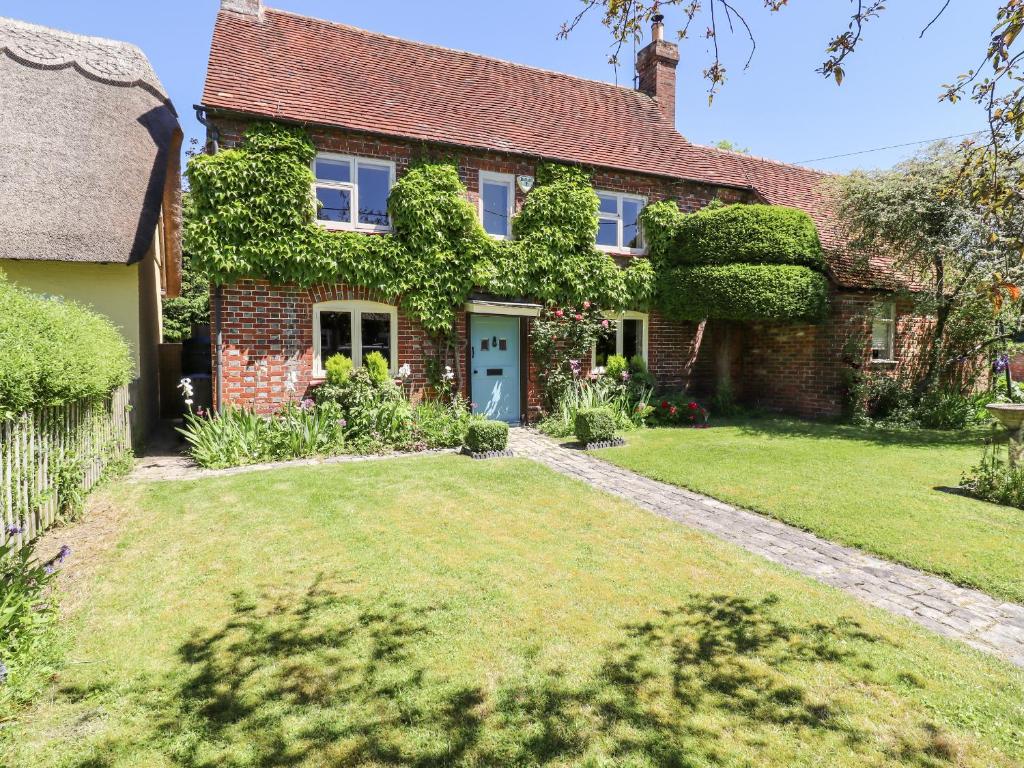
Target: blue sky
779 108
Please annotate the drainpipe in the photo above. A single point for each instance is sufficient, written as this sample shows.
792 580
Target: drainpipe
212 146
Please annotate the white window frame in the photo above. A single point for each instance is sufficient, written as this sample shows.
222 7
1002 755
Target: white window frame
357 308
616 320
505 179
884 312
354 162
617 217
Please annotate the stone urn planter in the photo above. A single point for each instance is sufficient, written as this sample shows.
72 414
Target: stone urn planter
1011 416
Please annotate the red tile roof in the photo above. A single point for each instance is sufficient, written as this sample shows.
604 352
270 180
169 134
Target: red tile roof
307 70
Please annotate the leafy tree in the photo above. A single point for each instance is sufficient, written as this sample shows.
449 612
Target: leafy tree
730 146
925 213
996 83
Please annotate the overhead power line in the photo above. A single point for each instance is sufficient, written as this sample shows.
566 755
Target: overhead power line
891 146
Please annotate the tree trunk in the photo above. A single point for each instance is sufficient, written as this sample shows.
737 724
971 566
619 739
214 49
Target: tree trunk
723 358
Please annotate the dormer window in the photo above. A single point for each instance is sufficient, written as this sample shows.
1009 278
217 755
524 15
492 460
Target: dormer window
352 192
618 228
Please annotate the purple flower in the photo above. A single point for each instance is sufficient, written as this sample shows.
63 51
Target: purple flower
625 376
307 404
49 569
13 530
1001 364
63 553
342 422
3 673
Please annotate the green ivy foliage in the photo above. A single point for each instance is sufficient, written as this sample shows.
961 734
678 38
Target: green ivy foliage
776 292
54 351
734 234
253 217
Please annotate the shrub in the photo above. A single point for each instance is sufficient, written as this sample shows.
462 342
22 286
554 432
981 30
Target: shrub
627 400
483 436
679 410
744 292
749 234
27 606
615 367
995 480
238 436
595 425
378 368
946 410
338 368
376 412
439 424
54 351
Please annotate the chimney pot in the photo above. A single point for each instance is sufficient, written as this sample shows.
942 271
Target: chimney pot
656 69
245 7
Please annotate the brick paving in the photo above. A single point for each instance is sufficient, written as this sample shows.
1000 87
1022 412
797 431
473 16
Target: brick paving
964 614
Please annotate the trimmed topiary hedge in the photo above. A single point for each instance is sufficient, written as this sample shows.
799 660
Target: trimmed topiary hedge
594 425
54 351
486 436
744 292
748 234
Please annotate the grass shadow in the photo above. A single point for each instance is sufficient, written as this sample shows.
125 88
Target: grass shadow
776 426
328 678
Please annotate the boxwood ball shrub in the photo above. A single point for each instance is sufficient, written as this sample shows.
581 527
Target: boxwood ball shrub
595 425
781 293
484 436
54 351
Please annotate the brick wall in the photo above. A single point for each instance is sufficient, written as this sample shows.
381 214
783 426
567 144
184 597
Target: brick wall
796 368
268 333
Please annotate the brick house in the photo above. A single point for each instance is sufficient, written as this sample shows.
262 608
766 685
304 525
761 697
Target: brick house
371 101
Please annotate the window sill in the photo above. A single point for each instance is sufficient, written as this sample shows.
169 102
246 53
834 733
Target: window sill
615 250
875 361
334 226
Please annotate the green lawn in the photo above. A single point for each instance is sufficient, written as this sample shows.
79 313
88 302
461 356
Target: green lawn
445 612
887 492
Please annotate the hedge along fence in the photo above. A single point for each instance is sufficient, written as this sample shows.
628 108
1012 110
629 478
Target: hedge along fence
50 458
64 405
54 352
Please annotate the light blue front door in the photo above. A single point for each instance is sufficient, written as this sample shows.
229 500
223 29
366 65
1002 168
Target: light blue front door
495 366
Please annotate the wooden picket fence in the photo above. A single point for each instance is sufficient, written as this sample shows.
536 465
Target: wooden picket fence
41 450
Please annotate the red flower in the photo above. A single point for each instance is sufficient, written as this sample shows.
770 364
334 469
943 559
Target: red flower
559 313
672 411
586 305
692 406
664 403
579 317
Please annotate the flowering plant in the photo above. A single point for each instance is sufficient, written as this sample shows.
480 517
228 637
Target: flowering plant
680 411
561 339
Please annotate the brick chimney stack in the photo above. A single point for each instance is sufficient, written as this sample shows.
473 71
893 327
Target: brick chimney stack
246 7
656 68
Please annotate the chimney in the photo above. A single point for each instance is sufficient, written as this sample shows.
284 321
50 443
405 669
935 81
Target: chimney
656 69
245 7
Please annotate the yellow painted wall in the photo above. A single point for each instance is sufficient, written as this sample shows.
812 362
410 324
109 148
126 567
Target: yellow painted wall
110 289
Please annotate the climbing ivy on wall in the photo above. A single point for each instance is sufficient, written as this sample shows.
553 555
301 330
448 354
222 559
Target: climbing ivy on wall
253 217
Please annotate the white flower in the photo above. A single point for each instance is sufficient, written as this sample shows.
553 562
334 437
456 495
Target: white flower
185 385
291 381
405 371
448 373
